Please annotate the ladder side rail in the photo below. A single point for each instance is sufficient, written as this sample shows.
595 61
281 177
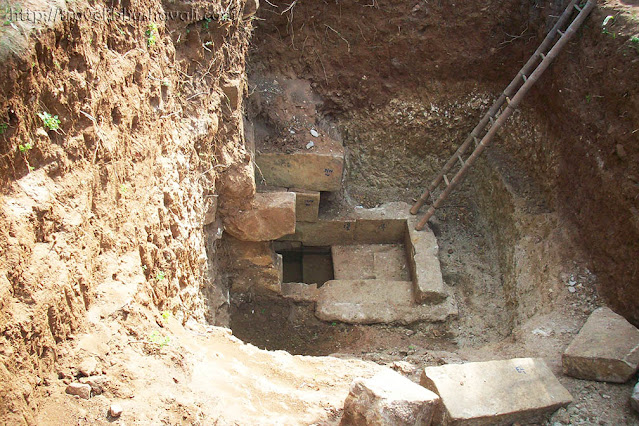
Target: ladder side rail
510 108
508 92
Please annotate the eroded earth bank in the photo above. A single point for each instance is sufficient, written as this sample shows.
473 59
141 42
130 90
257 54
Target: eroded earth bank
204 213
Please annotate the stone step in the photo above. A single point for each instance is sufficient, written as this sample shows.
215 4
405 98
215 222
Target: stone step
370 262
377 301
312 171
520 390
606 349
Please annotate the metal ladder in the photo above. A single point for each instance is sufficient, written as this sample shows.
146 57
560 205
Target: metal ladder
496 116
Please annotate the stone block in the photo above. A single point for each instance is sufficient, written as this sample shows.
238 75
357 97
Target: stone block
521 390
370 262
390 263
388 399
353 262
270 216
80 389
606 349
423 260
311 171
300 292
377 301
307 205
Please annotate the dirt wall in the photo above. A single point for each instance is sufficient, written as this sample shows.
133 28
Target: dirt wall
116 136
380 66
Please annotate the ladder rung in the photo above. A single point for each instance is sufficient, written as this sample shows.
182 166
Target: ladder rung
577 7
542 55
476 139
523 76
561 33
461 160
446 180
492 120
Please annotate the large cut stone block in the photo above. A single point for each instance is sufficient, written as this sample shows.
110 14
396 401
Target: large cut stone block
495 392
313 171
388 399
307 205
423 259
606 349
370 262
377 301
354 262
271 216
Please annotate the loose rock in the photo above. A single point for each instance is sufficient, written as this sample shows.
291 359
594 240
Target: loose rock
604 350
89 367
115 410
79 389
389 399
496 392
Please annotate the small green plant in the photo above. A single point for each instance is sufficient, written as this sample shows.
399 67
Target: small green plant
160 275
634 40
3 127
157 339
205 23
166 315
25 148
588 98
123 190
151 34
51 122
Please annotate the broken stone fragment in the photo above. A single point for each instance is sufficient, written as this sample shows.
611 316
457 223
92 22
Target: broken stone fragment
306 205
79 389
495 392
271 216
388 398
97 383
89 367
606 349
115 410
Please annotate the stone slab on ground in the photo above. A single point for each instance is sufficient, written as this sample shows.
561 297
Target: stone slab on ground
390 263
520 390
370 262
377 301
388 399
353 262
606 349
300 292
271 216
423 259
307 205
312 171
